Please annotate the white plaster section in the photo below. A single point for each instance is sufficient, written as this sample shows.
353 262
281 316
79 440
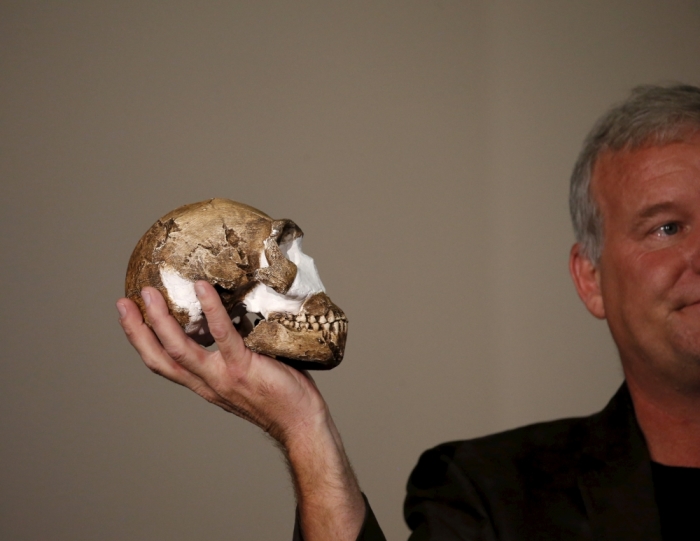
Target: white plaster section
181 293
307 280
263 299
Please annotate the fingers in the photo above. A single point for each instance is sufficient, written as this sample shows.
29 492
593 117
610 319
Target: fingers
269 394
229 342
149 347
157 359
183 350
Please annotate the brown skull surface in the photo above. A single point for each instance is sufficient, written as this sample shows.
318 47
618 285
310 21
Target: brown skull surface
270 288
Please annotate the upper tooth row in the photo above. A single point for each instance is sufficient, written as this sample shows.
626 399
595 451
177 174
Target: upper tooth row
335 327
330 317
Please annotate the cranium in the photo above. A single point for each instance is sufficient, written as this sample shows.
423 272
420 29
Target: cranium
270 288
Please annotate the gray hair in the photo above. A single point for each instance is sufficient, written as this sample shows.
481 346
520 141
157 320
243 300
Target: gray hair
650 116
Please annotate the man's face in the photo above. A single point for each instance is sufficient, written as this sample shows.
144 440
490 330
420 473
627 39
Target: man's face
649 272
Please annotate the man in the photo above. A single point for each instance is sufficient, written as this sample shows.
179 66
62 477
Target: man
629 472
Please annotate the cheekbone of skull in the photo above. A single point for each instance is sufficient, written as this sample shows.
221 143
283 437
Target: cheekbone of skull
258 268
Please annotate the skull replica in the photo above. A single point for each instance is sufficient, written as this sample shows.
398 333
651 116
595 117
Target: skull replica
257 266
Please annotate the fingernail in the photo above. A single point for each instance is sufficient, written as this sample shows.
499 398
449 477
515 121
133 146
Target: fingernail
121 309
146 296
199 289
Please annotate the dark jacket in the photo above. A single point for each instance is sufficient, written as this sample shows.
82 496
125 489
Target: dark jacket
572 479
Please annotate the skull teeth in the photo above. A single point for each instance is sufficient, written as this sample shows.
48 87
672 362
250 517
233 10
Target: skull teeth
329 324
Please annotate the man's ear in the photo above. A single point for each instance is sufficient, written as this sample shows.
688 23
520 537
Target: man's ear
586 277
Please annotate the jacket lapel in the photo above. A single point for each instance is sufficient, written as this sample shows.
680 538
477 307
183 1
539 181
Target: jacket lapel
615 480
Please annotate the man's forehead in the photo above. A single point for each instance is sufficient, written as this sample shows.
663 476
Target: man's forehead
612 173
633 172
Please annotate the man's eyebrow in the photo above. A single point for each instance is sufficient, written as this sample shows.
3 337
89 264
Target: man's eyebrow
657 208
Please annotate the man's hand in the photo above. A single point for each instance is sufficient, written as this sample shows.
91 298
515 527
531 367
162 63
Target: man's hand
255 387
279 399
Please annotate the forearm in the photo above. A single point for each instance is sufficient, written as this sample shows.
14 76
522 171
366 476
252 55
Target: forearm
328 496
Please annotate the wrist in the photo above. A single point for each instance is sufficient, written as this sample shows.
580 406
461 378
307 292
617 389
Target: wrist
313 436
316 455
328 495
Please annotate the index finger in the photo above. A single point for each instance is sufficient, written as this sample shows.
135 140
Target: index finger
229 342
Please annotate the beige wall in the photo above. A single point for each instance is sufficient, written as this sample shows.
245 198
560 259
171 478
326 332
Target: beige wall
424 147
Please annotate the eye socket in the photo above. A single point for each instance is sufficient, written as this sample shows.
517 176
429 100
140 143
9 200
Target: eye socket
669 229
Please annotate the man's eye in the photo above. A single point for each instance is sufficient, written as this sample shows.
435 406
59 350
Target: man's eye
669 229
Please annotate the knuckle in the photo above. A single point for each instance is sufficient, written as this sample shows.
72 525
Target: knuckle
219 330
177 354
129 332
156 370
231 383
152 364
155 318
238 377
267 392
207 394
131 329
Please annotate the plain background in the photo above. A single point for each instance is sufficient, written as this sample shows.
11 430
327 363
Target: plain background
423 146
